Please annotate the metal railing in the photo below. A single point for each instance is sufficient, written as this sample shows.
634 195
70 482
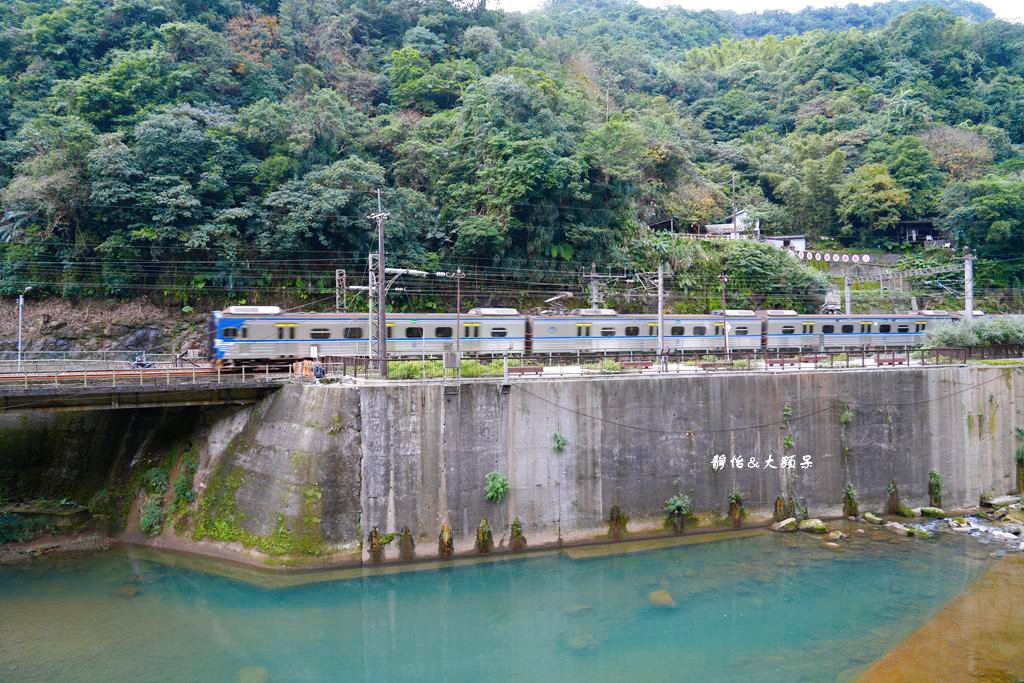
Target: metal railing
611 363
143 377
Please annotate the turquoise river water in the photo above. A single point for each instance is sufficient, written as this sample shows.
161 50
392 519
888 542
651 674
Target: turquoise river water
769 607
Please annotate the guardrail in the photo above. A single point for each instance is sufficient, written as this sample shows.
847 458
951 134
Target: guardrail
126 378
610 363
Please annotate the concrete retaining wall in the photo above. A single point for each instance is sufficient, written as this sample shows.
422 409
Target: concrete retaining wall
416 455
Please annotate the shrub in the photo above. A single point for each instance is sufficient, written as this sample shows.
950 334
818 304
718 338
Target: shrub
151 521
560 442
736 496
678 505
845 416
977 332
495 487
17 529
155 480
934 483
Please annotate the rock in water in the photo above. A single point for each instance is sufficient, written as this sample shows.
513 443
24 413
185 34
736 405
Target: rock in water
831 544
933 512
872 518
813 525
788 524
661 599
253 674
897 527
836 535
129 590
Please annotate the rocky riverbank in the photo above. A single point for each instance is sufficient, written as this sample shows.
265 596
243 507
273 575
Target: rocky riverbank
88 542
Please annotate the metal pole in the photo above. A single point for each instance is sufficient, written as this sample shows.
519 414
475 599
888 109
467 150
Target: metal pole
725 317
340 290
968 284
382 337
458 311
21 304
661 311
593 285
848 295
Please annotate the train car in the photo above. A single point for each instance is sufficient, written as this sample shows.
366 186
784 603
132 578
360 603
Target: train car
602 330
787 330
265 333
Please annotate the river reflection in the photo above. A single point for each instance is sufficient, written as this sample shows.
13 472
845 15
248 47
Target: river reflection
766 607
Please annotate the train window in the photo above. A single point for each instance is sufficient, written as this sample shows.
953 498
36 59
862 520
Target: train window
230 332
700 330
414 333
920 326
632 331
846 329
583 330
389 332
499 332
652 329
678 331
788 329
607 331
865 328
902 329
245 333
443 333
885 329
286 332
356 332
741 331
471 331
828 329
807 328
320 333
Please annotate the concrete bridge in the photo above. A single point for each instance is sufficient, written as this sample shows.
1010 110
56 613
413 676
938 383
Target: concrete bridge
106 390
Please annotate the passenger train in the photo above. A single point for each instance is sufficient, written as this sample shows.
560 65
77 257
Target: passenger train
260 334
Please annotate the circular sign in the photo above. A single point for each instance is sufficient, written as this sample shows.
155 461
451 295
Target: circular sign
846 257
856 258
865 258
817 257
828 257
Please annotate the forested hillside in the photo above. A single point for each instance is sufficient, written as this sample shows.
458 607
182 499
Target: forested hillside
182 145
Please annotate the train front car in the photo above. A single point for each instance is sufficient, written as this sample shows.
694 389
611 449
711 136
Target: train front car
787 330
263 334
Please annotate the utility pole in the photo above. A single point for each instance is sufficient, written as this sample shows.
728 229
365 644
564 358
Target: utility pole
340 290
458 310
593 285
725 316
968 284
661 312
382 337
21 306
848 295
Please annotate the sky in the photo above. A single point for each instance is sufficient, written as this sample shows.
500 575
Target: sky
1012 10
